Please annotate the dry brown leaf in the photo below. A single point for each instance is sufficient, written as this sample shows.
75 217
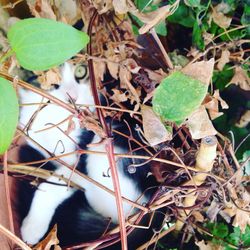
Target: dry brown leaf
4 16
156 75
125 78
240 78
49 78
199 124
153 18
213 210
113 65
208 38
212 105
219 17
68 10
102 6
223 59
201 71
99 69
244 120
154 130
208 245
50 240
118 96
41 8
120 6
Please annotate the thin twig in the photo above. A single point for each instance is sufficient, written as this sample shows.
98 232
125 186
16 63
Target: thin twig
7 192
109 142
14 238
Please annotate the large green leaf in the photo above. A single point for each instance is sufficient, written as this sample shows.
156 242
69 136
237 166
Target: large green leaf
8 114
178 96
40 44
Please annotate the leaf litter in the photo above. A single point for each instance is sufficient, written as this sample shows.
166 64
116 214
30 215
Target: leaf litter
136 85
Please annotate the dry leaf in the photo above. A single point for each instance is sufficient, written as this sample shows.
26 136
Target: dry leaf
154 130
201 71
213 210
50 240
208 38
4 16
199 124
207 245
244 120
240 78
113 65
120 6
118 96
212 105
68 10
219 17
99 70
41 8
102 6
125 77
49 78
151 19
224 59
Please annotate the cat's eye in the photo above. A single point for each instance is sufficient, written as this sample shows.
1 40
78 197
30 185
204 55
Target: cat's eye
80 72
56 86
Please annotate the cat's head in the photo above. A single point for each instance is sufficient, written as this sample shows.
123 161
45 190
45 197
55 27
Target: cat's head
75 84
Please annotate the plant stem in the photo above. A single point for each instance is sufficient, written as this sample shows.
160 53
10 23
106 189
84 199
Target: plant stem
109 142
6 55
7 192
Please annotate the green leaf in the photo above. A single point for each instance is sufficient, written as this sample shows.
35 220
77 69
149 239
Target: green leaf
40 44
183 15
197 37
220 230
9 110
178 96
246 237
161 28
193 3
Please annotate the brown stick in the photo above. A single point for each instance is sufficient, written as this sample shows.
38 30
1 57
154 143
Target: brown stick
109 142
7 192
204 163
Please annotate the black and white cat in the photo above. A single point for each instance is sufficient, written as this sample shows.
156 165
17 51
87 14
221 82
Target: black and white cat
80 216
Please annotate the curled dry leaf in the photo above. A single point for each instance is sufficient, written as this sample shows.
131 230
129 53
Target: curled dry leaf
223 59
120 6
212 105
118 96
204 246
241 78
113 65
102 6
244 120
99 70
151 19
199 124
48 78
201 71
50 241
41 8
219 17
125 78
154 130
68 10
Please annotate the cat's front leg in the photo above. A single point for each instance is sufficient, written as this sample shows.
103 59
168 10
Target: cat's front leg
46 199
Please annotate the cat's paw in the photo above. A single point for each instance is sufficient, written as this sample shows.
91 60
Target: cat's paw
33 230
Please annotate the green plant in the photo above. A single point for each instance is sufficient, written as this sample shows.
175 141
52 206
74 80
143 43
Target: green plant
178 96
40 44
9 110
228 238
